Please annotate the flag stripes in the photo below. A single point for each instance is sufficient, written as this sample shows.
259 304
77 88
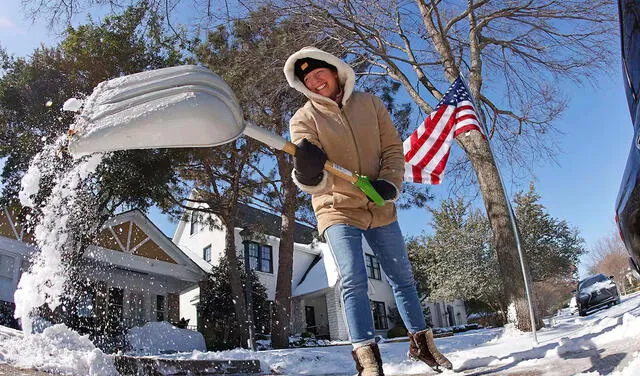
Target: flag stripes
427 149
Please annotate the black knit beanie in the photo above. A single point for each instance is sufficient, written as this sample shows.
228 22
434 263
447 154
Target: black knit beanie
307 64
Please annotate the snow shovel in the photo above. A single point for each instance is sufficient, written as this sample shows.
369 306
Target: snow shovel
184 106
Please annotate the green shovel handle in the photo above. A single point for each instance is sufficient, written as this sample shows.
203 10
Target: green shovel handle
365 186
359 181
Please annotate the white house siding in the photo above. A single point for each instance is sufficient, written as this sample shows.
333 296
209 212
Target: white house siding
188 300
12 256
319 305
380 291
335 315
199 240
147 286
440 313
9 274
460 312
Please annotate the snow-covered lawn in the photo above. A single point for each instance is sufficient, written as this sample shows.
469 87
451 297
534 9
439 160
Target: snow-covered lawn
606 342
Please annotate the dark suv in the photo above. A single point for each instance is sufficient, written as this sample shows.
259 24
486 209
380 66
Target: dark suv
596 291
628 201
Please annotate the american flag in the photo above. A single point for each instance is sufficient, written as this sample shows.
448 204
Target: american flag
426 151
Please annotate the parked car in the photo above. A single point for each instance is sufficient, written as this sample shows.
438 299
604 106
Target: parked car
596 291
628 201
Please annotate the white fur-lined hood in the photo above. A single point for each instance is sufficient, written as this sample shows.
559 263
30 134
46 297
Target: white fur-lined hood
346 75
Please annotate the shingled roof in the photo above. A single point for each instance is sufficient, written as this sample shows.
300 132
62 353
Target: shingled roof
270 224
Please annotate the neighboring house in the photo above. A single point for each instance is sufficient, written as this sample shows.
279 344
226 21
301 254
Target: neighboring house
134 274
15 249
316 301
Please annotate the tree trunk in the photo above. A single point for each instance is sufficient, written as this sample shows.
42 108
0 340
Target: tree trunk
237 290
477 148
281 317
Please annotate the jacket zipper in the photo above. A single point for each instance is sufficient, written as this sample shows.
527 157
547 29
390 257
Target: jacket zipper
345 122
345 119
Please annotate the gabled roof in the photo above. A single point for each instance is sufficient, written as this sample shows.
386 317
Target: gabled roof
11 228
270 224
131 240
260 221
321 274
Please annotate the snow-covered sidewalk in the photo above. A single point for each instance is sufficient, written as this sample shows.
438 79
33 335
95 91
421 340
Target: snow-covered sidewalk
606 342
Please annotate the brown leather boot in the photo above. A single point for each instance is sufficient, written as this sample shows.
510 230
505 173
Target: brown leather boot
422 347
368 360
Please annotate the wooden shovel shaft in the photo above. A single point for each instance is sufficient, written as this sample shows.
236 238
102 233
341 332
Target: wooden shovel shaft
280 143
332 168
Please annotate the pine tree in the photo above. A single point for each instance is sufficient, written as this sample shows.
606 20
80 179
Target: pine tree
551 246
458 261
216 314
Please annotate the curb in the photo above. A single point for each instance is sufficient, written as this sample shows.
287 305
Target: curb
143 366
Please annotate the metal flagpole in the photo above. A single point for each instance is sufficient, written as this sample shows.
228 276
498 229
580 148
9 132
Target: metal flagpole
512 219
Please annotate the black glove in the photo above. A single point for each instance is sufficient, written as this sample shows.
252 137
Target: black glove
387 190
309 163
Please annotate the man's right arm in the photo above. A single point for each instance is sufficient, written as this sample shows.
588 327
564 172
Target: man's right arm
307 159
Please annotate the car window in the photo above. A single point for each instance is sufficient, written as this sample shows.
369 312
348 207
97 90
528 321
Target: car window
590 281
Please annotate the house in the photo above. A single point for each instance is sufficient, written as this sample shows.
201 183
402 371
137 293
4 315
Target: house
316 301
15 249
134 274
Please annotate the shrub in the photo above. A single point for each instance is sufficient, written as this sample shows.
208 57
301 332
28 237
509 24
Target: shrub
307 335
398 331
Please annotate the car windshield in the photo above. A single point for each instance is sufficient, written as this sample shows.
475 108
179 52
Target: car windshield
591 280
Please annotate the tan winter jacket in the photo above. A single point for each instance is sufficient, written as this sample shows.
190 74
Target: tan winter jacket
360 137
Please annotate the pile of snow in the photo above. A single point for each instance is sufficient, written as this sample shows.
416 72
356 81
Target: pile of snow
509 332
163 338
58 350
631 369
630 328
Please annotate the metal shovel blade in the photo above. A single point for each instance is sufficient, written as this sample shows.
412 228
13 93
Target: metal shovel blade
185 106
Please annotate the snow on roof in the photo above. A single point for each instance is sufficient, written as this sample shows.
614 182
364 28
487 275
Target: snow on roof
322 275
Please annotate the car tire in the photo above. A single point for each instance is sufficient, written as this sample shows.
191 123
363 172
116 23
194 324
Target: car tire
582 313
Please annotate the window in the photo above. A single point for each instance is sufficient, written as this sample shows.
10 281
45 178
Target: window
159 307
7 286
379 315
6 266
136 307
84 304
194 224
260 257
206 253
114 311
373 267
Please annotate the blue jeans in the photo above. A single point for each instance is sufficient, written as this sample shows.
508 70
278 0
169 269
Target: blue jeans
387 243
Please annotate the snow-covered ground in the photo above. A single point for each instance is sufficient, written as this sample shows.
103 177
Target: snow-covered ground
606 342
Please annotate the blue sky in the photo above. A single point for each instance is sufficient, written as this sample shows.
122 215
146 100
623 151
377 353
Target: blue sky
581 188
